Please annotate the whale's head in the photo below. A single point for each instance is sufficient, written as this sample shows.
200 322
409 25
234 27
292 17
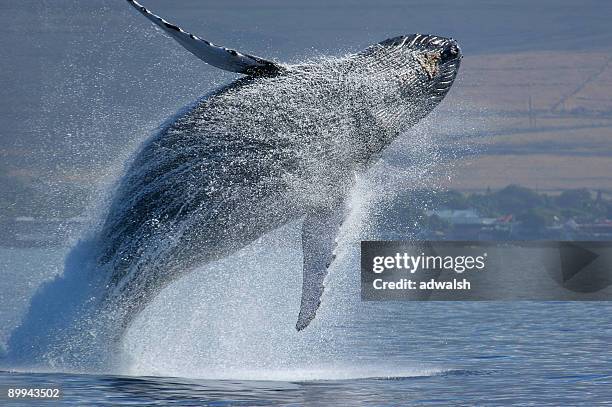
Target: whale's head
424 65
414 72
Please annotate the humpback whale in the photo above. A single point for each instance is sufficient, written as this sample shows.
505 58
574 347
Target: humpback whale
281 143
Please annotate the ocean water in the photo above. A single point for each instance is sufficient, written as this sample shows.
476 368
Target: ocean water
237 345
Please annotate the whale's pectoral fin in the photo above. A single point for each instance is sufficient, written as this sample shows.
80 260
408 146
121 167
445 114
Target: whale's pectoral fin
319 234
221 57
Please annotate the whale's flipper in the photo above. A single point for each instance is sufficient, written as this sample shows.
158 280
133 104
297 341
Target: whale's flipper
221 57
319 234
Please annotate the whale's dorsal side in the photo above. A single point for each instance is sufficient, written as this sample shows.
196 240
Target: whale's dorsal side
220 57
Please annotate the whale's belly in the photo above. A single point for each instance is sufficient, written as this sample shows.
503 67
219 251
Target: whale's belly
193 194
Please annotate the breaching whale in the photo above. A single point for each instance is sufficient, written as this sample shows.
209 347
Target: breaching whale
281 143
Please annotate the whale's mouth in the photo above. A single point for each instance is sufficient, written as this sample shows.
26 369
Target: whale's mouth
450 52
442 75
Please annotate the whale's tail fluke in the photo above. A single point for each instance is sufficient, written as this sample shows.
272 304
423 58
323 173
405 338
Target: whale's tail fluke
220 57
